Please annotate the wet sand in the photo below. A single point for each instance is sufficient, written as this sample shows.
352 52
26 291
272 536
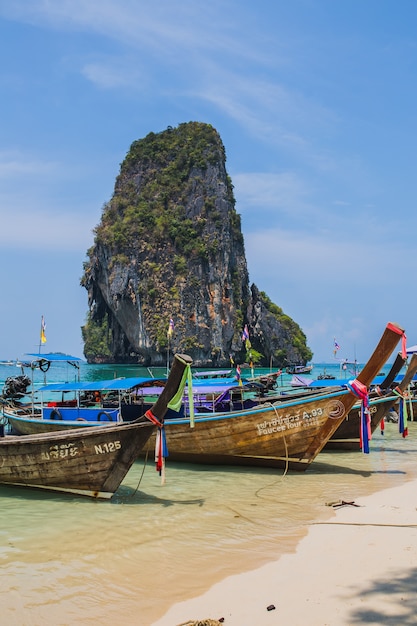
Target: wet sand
358 567
196 547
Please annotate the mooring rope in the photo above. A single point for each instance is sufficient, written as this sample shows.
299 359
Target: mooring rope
143 471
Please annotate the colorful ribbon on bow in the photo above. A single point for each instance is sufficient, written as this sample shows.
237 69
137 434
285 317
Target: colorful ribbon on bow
403 417
360 391
403 411
382 426
161 452
161 448
403 339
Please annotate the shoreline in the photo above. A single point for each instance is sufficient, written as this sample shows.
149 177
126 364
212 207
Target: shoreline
359 566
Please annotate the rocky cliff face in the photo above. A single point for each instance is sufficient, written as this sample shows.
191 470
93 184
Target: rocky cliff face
170 246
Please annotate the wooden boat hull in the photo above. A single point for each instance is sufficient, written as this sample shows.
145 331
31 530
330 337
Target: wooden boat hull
347 436
289 434
273 436
31 426
88 461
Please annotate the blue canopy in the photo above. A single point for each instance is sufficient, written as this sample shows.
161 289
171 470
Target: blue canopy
114 384
54 356
152 385
340 382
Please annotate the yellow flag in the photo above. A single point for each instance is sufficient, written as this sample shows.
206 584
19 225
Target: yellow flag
43 329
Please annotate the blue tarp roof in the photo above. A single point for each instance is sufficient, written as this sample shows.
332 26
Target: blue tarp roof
54 356
114 384
339 382
155 385
217 381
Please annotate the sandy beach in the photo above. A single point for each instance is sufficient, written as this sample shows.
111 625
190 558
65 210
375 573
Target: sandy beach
359 567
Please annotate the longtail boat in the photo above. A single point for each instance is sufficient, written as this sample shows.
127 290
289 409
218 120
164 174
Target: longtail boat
347 436
86 461
381 399
286 434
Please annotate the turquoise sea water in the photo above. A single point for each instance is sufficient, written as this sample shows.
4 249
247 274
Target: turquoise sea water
66 560
61 372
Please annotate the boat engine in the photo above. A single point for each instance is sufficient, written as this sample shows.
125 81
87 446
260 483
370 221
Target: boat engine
15 386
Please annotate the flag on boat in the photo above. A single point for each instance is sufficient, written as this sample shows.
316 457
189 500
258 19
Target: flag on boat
245 338
43 330
238 375
336 347
170 327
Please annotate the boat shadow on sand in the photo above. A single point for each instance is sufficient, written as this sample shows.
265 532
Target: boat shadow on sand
124 495
412 451
327 468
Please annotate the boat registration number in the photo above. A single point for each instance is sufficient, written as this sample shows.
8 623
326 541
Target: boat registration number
110 446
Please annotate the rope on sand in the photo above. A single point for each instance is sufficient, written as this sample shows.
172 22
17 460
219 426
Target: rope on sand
362 524
204 622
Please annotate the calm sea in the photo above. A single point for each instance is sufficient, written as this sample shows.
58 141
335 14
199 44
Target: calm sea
67 560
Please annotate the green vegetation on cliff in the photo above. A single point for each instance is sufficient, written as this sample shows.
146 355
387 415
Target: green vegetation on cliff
155 213
169 244
298 337
97 339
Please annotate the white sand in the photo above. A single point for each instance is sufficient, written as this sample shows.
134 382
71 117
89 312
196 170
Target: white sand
360 567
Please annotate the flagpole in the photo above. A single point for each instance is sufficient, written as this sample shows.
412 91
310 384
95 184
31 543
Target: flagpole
171 327
42 336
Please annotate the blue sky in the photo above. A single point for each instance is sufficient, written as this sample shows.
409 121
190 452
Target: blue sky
315 101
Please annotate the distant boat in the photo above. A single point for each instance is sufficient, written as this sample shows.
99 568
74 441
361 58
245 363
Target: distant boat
325 376
213 373
300 381
299 369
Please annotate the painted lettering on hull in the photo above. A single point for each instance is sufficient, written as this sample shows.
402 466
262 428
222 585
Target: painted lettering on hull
110 446
69 450
301 419
61 451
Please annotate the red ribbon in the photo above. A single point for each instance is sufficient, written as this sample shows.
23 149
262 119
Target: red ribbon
360 391
151 417
399 331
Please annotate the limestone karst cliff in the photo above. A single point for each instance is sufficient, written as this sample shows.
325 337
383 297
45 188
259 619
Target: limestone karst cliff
169 246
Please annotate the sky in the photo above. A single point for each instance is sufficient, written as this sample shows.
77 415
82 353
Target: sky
315 102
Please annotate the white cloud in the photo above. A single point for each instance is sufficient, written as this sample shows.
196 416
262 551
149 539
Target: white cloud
332 287
285 191
30 215
314 256
15 164
110 73
48 230
157 26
